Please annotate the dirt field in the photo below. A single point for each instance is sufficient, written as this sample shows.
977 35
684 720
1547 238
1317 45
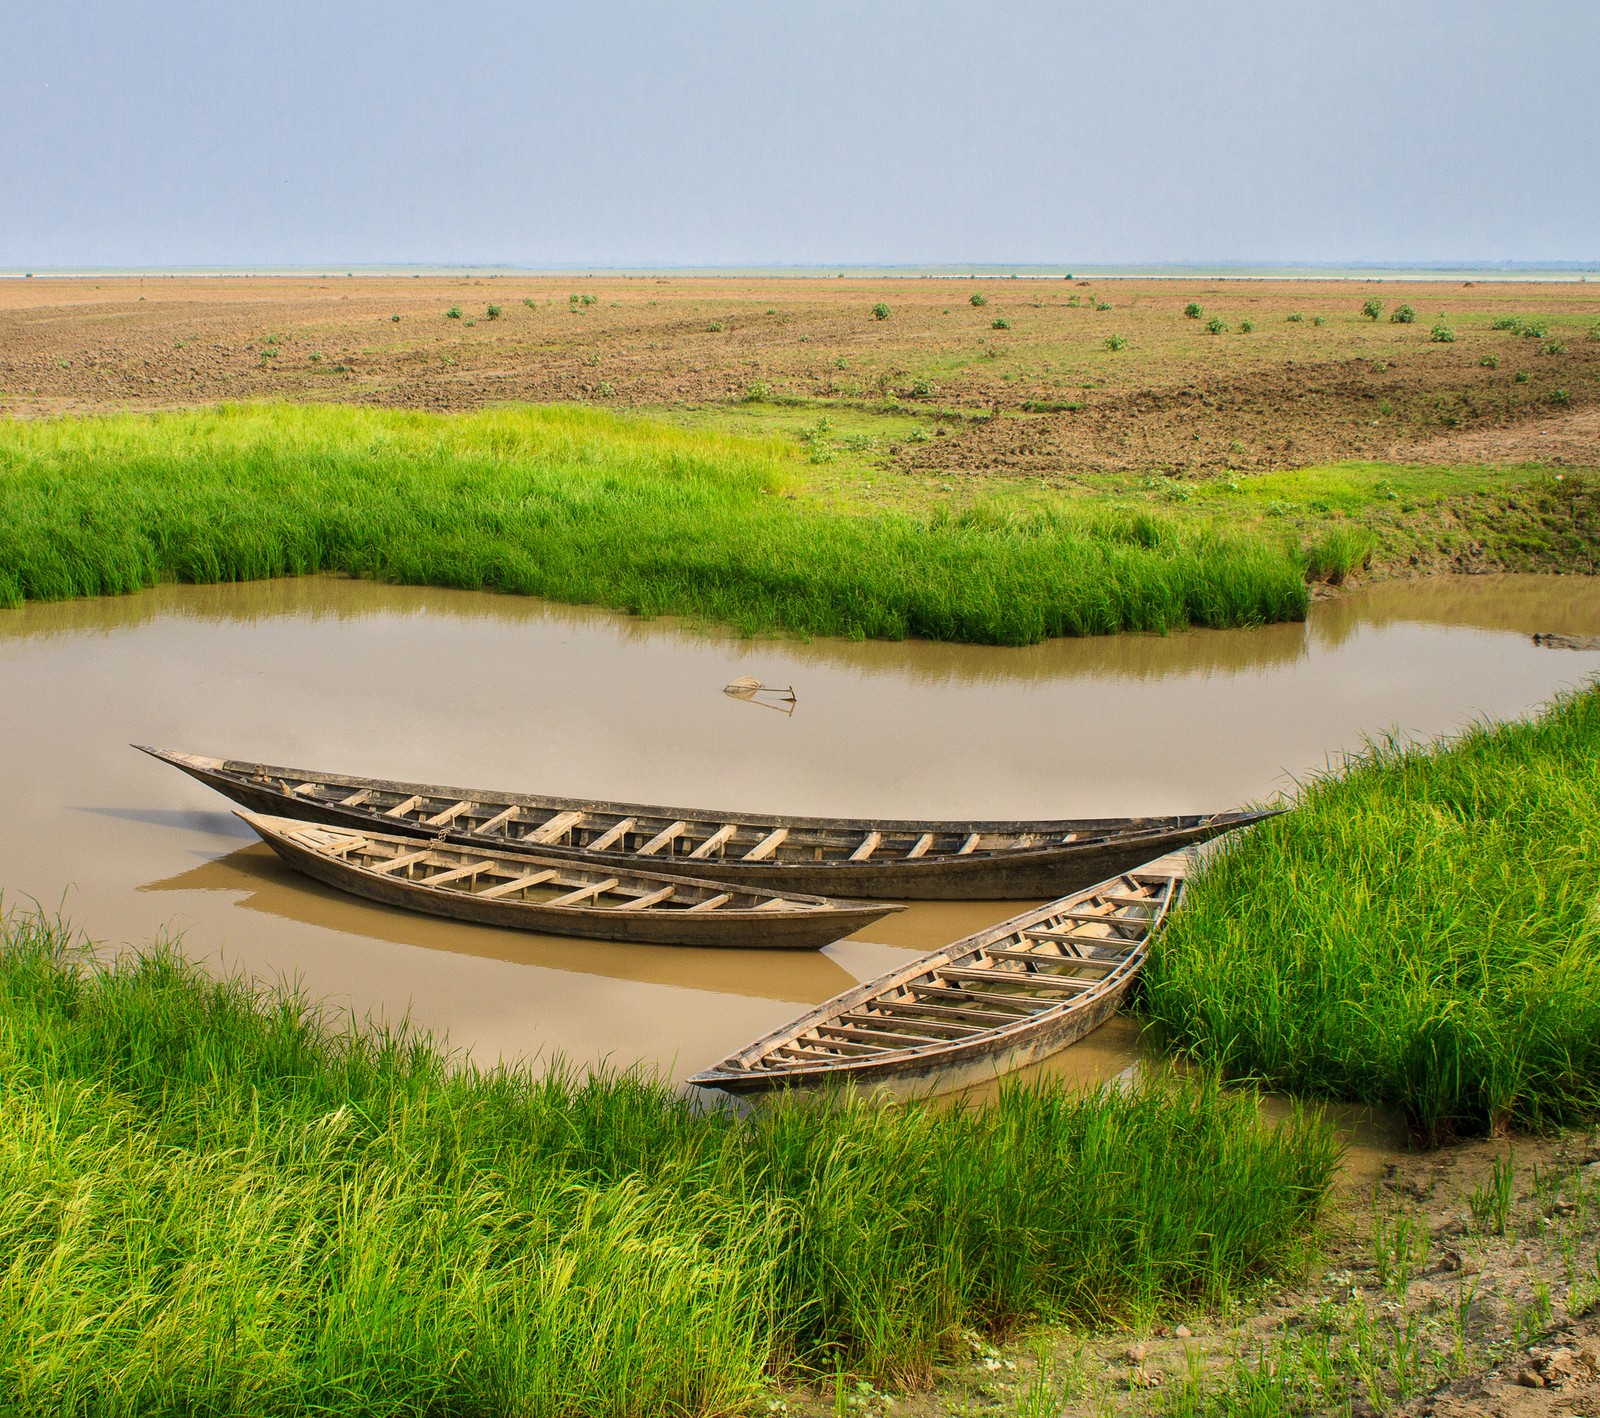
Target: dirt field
1173 396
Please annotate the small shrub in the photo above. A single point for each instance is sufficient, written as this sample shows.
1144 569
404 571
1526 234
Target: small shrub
1522 376
1508 322
588 300
1372 308
880 311
1000 323
530 302
1594 333
1296 318
977 298
606 389
395 319
1246 326
923 389
1193 310
471 323
716 327
1318 321
1403 315
1490 361
755 392
1535 330
1561 397
1379 366
493 312
1553 347
1442 334
453 313
1217 326
1116 342
315 356
1103 305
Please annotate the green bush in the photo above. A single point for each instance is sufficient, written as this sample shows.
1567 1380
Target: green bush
1372 308
1193 310
1000 323
453 313
1442 334
493 312
1116 342
1403 315
1217 326
977 298
880 311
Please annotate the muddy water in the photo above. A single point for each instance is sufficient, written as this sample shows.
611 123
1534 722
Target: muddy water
478 689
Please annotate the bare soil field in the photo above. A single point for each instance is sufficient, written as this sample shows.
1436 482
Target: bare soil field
1041 379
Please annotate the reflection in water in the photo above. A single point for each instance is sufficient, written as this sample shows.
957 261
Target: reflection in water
268 885
473 688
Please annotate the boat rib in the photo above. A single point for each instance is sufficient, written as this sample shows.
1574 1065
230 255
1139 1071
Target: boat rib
875 859
1000 998
557 895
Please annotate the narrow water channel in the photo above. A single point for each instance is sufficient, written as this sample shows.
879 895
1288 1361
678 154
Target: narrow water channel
487 690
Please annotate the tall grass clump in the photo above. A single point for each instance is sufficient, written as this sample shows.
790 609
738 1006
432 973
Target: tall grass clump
1421 931
590 508
214 1202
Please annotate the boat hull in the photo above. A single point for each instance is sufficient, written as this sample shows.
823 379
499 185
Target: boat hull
723 929
1113 845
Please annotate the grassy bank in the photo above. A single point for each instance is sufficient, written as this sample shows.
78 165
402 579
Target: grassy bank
1421 932
587 507
211 1202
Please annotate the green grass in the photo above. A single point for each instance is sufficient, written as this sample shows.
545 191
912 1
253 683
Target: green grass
585 507
213 1202
1421 932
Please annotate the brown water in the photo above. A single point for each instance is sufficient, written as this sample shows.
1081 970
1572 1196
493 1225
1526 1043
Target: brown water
498 691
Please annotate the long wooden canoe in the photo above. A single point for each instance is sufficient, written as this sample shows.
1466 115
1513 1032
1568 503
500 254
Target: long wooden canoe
874 859
557 895
991 1002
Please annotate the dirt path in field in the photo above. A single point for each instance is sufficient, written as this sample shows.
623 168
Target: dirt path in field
1048 380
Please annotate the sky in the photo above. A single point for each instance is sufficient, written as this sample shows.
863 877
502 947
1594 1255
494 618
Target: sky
706 132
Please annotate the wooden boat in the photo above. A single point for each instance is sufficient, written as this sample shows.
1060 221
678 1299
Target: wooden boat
557 895
994 1001
872 859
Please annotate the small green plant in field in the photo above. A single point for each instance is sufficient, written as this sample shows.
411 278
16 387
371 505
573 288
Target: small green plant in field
1296 318
1490 1202
395 319
605 389
493 312
880 311
1073 303
1535 329
756 392
977 298
1318 321
1372 308
923 389
1490 361
1116 342
1508 322
453 313
1399 1250
1403 315
1000 323
1594 333
530 302
1553 347
315 356
1193 310
1217 326
1246 326
1380 366
1523 376
471 323
716 327
589 300
1102 305
1442 334
1560 397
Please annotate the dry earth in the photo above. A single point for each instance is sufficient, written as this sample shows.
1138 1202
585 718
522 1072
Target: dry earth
1289 391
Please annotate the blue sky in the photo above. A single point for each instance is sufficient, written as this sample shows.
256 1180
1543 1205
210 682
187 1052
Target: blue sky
700 133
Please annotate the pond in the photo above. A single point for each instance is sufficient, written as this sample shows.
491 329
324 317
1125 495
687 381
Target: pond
495 691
